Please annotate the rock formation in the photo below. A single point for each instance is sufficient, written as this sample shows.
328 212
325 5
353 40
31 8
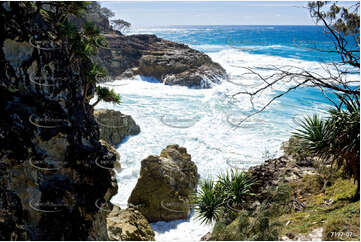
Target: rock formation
50 178
169 62
115 126
128 224
165 184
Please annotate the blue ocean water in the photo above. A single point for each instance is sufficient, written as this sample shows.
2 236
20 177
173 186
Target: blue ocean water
205 121
298 42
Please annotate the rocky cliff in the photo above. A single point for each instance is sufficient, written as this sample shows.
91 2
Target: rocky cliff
169 62
51 184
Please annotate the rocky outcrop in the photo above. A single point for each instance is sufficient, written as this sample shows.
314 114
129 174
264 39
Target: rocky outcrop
273 172
50 177
128 224
115 126
169 62
165 184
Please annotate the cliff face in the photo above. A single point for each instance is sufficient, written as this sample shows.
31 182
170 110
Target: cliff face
51 186
169 62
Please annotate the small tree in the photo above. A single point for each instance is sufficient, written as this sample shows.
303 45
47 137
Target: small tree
106 95
121 25
106 12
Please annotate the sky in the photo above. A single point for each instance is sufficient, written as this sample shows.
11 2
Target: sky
164 13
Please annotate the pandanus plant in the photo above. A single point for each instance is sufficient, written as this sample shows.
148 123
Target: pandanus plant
336 138
231 188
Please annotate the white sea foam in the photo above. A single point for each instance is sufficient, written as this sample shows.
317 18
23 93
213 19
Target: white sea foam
211 140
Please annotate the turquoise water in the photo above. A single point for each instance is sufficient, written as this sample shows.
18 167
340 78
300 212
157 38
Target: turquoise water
206 121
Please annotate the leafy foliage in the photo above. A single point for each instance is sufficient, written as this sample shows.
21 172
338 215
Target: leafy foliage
231 188
248 227
236 186
107 95
341 22
208 202
337 138
121 25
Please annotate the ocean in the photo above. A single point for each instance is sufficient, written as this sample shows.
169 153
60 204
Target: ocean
205 121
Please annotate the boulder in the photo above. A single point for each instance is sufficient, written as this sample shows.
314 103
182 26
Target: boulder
115 126
169 62
128 224
165 184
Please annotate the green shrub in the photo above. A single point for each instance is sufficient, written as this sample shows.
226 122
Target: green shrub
208 202
248 227
337 137
236 186
231 188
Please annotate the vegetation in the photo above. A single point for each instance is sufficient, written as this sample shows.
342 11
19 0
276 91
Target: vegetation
231 189
330 209
249 227
208 202
106 95
337 137
82 44
121 25
254 224
235 186
342 26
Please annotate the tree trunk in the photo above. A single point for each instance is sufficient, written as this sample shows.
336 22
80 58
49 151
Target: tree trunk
96 102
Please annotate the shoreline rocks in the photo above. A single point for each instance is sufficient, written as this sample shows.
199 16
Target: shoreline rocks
129 225
115 126
165 184
169 62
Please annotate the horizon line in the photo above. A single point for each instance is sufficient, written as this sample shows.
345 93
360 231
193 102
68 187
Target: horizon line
177 25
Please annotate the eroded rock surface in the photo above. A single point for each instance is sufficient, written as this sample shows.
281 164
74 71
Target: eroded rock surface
128 224
50 179
165 184
115 126
169 62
